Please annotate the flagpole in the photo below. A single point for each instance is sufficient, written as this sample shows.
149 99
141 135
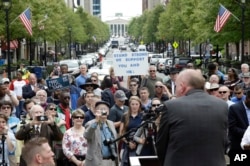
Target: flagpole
231 13
18 16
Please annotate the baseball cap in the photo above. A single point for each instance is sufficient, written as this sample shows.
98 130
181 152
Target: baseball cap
246 74
5 80
120 95
102 102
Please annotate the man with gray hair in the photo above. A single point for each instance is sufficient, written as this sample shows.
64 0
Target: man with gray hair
244 69
40 126
193 126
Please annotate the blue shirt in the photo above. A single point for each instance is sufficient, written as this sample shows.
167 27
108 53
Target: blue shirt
80 80
106 135
248 112
237 100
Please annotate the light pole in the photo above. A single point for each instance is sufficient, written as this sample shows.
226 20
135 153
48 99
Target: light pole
242 30
70 30
6 4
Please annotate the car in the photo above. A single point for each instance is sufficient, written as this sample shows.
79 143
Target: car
154 58
73 66
168 65
88 61
114 44
123 47
142 48
161 65
181 62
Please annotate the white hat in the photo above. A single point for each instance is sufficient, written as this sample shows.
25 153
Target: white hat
4 80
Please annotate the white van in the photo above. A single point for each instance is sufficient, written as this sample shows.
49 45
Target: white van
141 48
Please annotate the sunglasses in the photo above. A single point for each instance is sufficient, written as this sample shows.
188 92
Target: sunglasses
237 93
52 108
66 97
132 84
6 108
78 117
224 92
151 71
156 86
156 105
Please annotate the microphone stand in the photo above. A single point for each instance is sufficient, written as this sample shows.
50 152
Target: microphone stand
3 163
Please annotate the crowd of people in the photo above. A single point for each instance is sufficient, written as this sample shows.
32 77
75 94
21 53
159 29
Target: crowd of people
191 119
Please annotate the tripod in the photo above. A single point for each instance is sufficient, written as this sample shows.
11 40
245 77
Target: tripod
3 163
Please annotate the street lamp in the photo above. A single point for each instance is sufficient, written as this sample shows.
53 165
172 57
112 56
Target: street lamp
6 4
242 30
70 30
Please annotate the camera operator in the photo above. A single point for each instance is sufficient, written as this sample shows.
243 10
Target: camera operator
146 134
39 126
99 133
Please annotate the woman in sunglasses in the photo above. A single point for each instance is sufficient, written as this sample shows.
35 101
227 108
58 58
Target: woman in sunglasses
146 135
74 144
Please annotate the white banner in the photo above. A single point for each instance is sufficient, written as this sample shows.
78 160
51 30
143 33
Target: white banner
130 63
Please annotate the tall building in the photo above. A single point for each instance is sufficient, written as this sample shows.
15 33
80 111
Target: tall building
150 4
93 7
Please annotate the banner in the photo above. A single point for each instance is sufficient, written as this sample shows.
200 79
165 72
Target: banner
58 83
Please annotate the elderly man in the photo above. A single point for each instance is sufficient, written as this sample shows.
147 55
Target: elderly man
224 93
99 132
245 82
244 69
40 126
30 89
81 79
149 81
193 126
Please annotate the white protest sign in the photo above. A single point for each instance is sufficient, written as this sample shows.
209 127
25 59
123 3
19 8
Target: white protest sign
130 63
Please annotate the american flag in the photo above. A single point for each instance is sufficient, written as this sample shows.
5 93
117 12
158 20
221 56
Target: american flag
222 18
25 17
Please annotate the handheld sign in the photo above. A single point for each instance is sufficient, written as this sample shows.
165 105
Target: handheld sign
130 63
58 83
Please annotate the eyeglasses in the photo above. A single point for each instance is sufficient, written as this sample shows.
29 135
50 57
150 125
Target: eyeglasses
156 105
237 93
224 92
94 80
151 71
52 108
67 97
133 84
158 86
3 108
78 117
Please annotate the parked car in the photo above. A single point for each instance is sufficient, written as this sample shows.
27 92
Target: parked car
154 58
168 65
88 61
73 66
123 47
181 62
160 65
114 44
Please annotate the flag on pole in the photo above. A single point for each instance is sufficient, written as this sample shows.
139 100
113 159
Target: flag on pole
25 17
222 17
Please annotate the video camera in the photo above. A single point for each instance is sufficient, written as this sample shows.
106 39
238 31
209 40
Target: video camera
153 114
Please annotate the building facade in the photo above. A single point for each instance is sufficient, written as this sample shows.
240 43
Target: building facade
118 27
150 4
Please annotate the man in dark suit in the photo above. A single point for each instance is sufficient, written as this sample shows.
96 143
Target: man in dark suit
238 121
30 89
173 73
193 127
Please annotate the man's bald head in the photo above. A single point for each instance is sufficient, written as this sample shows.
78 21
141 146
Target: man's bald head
189 79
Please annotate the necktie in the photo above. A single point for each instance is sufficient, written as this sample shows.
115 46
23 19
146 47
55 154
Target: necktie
37 130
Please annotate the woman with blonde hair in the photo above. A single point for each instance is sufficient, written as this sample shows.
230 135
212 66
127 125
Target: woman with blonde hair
74 144
130 120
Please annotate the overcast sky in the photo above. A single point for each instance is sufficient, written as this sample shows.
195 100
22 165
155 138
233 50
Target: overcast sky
129 8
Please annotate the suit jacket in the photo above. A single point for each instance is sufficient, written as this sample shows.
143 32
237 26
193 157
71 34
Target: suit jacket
169 86
238 123
93 136
193 131
28 93
51 132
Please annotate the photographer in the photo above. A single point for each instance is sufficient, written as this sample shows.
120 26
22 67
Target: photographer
99 134
40 126
146 134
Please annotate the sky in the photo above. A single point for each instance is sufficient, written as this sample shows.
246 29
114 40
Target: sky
129 8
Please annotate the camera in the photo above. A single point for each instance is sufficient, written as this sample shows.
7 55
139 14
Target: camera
104 113
111 146
23 117
42 118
